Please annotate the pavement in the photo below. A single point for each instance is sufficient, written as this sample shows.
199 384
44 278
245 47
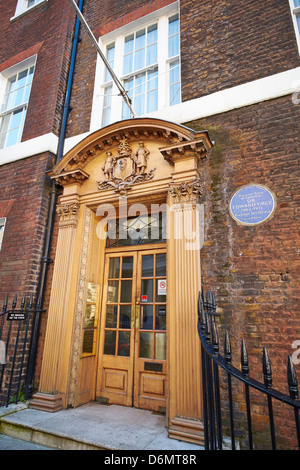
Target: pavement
89 427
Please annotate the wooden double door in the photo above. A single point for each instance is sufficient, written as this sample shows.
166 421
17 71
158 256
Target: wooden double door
132 362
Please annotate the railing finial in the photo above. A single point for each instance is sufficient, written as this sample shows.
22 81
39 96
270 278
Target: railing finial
267 371
244 359
292 380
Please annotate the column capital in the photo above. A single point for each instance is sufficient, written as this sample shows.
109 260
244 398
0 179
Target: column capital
186 191
68 214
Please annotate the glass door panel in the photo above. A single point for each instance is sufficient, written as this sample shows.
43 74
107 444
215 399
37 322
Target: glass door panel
153 306
120 298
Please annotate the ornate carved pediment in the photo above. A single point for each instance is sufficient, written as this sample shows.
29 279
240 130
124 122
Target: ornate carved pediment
173 141
126 168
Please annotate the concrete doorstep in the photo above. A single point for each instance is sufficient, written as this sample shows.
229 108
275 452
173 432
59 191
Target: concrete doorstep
90 427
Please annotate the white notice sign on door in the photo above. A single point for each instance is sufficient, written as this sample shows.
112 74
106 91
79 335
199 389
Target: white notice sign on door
161 287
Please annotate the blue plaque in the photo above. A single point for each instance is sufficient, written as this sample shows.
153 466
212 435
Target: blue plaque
252 205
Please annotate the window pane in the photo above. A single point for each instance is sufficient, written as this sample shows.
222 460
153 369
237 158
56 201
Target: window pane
140 40
298 22
160 346
152 101
126 291
128 85
152 34
110 55
16 119
127 265
297 3
147 290
110 342
129 42
125 317
114 268
124 343
151 45
26 93
111 316
106 106
173 36
146 317
30 3
146 345
139 105
128 64
12 137
175 95
151 54
4 126
139 59
113 290
160 317
19 92
161 264
2 226
128 54
147 266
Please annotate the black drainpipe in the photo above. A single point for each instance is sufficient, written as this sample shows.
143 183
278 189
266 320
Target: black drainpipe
50 220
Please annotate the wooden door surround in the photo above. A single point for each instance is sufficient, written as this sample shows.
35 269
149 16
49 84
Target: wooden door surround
105 168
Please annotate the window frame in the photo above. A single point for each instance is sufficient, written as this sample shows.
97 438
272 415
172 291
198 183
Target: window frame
2 224
22 7
5 77
295 11
161 17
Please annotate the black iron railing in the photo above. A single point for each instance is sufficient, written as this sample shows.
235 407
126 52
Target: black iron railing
213 362
15 344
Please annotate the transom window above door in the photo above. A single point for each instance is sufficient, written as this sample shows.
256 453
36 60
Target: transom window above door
146 59
141 230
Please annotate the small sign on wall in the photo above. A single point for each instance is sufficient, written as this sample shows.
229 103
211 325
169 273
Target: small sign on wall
252 205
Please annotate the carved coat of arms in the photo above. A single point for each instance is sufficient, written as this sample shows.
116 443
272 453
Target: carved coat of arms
126 168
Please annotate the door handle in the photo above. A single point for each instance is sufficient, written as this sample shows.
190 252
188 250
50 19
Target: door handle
132 323
135 310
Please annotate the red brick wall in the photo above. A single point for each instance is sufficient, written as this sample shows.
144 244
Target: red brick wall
24 199
47 31
227 43
254 271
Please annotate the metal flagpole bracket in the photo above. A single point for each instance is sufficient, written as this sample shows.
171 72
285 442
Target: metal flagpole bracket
122 90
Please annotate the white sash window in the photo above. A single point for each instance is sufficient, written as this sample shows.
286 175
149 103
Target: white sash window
146 59
17 83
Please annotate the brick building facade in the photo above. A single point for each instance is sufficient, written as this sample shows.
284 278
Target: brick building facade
239 80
